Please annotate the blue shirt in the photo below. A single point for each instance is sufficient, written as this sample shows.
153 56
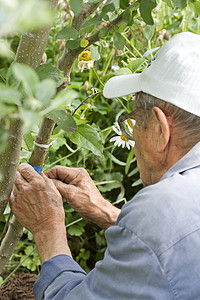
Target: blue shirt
153 251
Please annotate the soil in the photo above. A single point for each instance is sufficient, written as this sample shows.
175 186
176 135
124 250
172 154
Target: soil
18 287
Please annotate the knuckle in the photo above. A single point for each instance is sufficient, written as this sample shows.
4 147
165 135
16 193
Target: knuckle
83 172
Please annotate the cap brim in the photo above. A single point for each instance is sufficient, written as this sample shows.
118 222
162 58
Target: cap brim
123 85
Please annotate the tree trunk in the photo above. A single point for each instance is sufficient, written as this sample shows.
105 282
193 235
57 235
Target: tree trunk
30 51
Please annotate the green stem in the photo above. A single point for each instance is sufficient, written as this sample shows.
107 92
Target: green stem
135 49
97 76
130 52
90 78
2 78
55 136
149 46
122 104
108 61
19 265
74 222
55 162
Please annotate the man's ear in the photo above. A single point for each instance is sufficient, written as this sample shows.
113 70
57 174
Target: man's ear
161 129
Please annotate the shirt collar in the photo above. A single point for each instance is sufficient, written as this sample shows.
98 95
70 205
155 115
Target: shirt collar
188 161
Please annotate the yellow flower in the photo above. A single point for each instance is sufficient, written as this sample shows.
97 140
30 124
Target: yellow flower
85 56
85 61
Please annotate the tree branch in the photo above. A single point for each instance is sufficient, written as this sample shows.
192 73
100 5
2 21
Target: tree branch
87 10
66 61
38 155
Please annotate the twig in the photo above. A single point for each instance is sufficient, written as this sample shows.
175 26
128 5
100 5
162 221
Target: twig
85 101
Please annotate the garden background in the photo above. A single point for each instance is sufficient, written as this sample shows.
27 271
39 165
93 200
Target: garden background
51 93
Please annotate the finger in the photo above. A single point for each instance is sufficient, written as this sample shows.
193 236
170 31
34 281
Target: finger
28 172
67 191
19 180
12 199
65 174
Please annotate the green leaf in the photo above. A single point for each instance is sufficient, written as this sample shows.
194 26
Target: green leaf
137 182
87 29
92 21
133 172
117 176
63 98
9 95
30 119
47 70
148 52
46 90
76 230
6 110
3 74
73 44
119 41
135 64
117 161
27 76
169 3
76 6
122 71
195 6
127 15
128 161
148 32
64 120
68 34
103 32
146 7
107 8
124 4
180 3
95 53
87 137
5 49
28 139
10 78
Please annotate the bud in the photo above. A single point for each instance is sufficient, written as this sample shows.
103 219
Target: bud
66 17
44 57
62 45
65 6
59 5
86 86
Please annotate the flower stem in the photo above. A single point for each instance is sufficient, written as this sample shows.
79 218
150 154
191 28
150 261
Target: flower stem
97 76
136 50
122 104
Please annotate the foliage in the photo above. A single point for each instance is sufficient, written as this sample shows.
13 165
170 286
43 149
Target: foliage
122 37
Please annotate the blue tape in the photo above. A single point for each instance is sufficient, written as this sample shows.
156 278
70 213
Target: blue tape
38 169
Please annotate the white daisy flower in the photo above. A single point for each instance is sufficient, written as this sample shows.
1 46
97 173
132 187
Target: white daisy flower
120 139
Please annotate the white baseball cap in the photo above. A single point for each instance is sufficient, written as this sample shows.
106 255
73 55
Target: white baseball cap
173 75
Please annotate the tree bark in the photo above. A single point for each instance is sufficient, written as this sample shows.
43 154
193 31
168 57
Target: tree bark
30 51
9 160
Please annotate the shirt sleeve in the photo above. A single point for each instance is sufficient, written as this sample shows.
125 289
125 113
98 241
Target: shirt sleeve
129 270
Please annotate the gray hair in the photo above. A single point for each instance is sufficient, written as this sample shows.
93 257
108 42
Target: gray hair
187 125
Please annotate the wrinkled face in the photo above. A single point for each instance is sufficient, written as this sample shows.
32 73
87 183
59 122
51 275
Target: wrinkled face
149 162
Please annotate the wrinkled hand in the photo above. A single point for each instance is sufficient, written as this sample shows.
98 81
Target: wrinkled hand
76 186
35 201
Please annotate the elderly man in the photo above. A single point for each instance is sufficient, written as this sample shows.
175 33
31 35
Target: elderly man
153 243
